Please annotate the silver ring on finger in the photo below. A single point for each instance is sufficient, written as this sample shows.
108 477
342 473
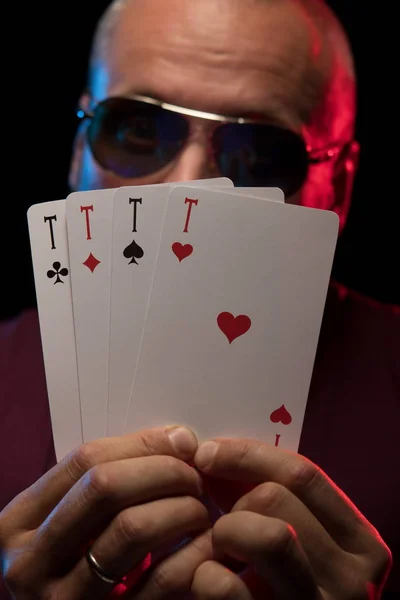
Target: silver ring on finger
99 571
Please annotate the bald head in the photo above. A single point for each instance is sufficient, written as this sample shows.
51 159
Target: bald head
302 35
287 61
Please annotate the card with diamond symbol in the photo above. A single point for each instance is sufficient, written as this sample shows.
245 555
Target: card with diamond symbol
91 262
89 218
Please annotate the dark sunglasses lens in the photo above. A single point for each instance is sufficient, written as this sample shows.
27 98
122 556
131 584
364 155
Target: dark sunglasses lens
261 156
134 139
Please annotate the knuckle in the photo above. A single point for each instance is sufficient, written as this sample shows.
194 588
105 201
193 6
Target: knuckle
246 449
166 580
174 472
174 467
279 537
133 525
384 559
302 473
265 497
190 514
151 444
352 582
12 578
10 518
194 509
355 587
224 585
99 482
381 562
84 458
15 577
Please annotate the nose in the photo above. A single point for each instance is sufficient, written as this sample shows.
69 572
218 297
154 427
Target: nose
194 162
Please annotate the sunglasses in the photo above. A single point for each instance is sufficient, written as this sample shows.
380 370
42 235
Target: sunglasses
138 136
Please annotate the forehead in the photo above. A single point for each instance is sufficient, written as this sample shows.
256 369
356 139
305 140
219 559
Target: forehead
225 56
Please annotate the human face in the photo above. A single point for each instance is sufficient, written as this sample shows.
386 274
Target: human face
231 57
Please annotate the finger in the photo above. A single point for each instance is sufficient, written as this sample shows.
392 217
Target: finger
273 500
271 548
30 509
102 493
212 581
130 537
174 574
256 462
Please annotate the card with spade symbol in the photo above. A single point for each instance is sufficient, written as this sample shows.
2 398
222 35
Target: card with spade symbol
234 315
49 248
138 217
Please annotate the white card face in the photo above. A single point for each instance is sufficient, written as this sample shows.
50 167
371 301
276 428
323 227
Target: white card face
273 194
89 226
234 317
49 247
139 213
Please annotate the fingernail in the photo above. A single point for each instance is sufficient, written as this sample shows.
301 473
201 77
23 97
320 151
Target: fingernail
183 440
205 454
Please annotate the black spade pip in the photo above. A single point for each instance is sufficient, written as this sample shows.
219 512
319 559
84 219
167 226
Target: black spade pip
133 251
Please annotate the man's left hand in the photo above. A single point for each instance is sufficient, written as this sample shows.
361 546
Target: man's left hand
298 534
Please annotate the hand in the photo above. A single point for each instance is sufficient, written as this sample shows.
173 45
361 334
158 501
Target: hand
122 496
297 532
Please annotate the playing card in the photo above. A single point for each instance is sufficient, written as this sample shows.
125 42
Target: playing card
234 316
273 194
139 212
89 226
49 248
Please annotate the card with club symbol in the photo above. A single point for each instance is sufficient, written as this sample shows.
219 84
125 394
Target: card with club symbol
49 246
195 303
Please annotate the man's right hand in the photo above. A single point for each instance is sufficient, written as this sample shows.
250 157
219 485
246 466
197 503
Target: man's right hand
123 497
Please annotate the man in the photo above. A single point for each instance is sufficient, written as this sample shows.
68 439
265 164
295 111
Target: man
96 516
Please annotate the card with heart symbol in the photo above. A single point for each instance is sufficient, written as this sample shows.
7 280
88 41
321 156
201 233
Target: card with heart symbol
234 315
138 216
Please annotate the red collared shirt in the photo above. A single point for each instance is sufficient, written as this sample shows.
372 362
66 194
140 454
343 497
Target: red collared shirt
351 429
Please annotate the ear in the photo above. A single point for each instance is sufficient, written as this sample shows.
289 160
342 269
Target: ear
74 175
343 180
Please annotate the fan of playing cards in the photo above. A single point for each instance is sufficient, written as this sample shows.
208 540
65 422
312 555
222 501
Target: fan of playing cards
193 303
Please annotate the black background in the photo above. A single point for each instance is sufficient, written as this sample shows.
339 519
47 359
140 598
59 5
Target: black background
44 77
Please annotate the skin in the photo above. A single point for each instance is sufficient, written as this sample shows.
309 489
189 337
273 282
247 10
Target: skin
233 58
294 532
